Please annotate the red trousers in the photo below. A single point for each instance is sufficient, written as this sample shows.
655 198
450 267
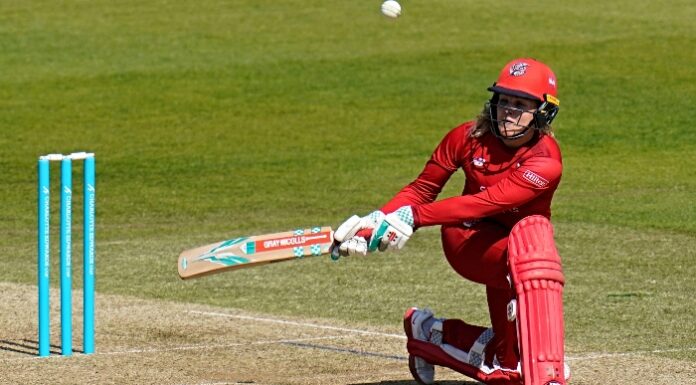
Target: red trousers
479 253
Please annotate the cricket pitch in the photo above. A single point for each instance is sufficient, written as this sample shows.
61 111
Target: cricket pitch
155 342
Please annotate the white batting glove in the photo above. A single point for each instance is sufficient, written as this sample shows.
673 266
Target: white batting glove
345 240
393 231
353 246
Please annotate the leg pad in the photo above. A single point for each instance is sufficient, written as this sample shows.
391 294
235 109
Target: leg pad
537 277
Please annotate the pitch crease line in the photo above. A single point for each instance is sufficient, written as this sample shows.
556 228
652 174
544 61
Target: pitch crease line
219 346
592 356
588 356
305 324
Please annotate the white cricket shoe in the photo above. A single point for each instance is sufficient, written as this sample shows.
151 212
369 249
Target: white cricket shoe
422 371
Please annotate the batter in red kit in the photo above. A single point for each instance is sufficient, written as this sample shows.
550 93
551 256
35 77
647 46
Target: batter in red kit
497 233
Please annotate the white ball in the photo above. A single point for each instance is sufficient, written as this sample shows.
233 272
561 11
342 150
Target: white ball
391 8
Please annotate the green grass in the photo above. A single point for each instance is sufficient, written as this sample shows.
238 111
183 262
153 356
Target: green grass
213 119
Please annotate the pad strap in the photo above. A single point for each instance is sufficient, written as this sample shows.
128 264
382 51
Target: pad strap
477 353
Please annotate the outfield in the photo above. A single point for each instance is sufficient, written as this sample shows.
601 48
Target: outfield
215 119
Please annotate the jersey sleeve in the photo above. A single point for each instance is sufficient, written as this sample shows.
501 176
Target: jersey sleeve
534 176
442 164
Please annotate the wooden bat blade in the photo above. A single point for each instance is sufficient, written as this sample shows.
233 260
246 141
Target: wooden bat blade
251 251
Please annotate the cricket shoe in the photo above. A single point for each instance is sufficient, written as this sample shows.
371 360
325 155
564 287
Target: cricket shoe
414 320
566 370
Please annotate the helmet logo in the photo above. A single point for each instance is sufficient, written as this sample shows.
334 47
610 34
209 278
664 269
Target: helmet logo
518 69
552 82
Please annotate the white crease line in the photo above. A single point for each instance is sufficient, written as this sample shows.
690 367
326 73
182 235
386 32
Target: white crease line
223 383
122 242
588 356
592 356
220 383
178 348
218 346
305 324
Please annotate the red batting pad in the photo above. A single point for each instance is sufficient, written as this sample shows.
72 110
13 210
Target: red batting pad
538 279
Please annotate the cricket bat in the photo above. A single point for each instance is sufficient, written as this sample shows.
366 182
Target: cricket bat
256 250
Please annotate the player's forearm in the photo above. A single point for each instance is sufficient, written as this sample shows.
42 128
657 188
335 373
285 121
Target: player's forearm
467 208
455 210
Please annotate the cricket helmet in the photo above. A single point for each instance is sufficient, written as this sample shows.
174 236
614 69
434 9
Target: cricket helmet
530 79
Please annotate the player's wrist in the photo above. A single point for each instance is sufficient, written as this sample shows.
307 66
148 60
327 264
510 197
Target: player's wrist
416 217
404 214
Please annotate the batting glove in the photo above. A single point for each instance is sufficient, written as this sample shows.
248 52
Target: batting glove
392 232
347 241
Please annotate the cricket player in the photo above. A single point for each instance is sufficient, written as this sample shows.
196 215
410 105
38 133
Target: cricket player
512 165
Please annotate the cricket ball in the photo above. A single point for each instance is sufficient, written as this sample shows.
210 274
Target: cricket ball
391 9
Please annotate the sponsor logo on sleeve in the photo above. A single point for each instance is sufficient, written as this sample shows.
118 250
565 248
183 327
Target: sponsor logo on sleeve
535 178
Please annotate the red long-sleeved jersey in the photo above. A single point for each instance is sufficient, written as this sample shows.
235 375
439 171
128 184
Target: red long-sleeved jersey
502 183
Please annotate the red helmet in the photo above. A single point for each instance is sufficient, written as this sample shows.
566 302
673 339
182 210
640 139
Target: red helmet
530 79
526 78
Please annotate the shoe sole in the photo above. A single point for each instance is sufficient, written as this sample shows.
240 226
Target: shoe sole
414 372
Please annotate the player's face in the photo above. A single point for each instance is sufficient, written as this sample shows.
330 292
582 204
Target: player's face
515 114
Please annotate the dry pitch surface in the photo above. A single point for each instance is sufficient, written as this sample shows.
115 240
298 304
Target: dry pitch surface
150 342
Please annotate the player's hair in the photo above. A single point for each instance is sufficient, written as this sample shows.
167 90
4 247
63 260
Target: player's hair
483 126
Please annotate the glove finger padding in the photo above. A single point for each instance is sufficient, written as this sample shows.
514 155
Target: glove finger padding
354 224
347 229
355 245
